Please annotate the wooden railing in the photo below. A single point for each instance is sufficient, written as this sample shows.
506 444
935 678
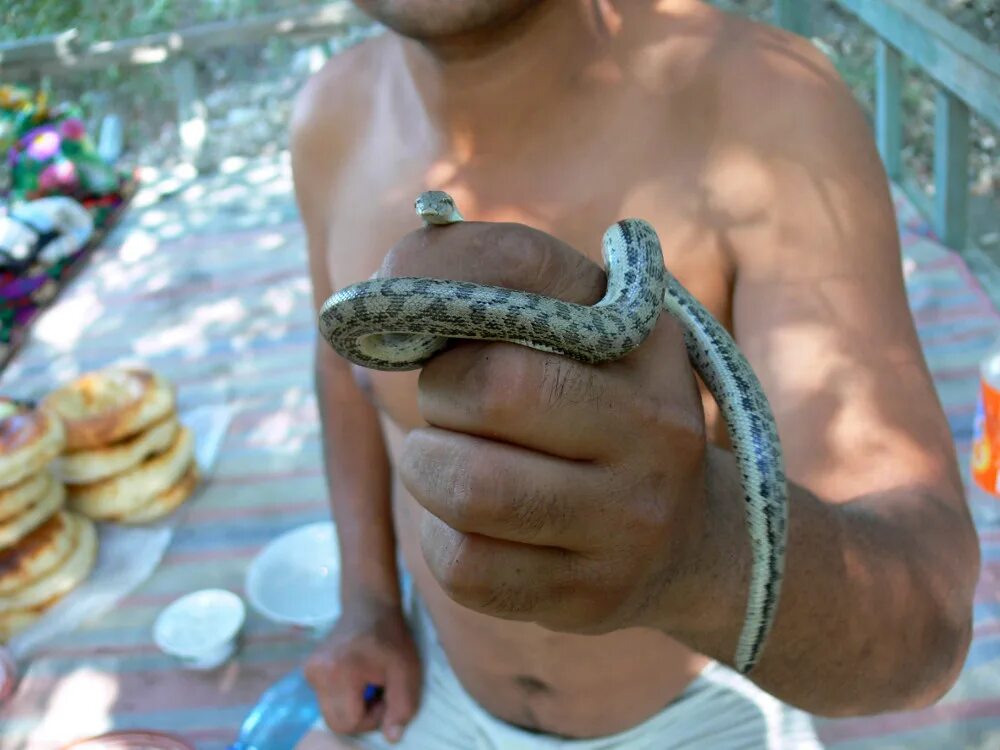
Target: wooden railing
967 75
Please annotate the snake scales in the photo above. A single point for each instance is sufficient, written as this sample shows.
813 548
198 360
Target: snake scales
398 323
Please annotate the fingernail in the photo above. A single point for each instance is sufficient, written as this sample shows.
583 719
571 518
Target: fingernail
393 733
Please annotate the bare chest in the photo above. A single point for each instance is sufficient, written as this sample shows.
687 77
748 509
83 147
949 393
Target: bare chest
577 209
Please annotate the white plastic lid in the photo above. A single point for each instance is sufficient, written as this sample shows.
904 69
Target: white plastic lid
199 623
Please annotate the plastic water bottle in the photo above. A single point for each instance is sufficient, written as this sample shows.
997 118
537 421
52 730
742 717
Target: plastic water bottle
986 441
282 717
285 713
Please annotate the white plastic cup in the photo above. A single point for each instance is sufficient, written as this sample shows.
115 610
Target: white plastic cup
201 629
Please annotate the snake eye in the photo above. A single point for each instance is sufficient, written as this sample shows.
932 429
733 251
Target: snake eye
437 207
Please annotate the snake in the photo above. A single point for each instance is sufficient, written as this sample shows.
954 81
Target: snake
400 323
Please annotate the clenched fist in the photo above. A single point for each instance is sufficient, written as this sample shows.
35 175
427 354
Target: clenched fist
556 492
370 645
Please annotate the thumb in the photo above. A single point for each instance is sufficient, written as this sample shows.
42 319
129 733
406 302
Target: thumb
402 696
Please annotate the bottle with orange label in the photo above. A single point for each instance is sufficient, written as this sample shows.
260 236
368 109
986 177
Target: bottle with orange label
986 440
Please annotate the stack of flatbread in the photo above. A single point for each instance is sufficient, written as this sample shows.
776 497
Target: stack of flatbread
127 457
45 550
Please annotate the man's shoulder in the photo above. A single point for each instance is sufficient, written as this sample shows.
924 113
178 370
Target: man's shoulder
335 97
775 86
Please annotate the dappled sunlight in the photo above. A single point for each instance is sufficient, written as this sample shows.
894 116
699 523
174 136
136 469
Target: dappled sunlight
227 311
281 301
232 164
160 280
172 230
194 193
278 433
229 194
199 217
296 396
64 325
144 198
153 217
137 245
440 173
271 241
286 430
838 406
191 336
121 277
265 173
80 705
187 337
276 187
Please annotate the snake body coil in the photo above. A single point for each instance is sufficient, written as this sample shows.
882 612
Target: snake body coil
397 324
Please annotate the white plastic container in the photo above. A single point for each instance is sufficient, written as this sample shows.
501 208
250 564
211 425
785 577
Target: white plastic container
201 629
295 579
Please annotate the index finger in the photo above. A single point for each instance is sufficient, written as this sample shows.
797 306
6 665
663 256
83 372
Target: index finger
512 256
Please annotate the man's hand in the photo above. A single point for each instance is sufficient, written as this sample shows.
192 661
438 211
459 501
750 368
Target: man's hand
370 645
557 492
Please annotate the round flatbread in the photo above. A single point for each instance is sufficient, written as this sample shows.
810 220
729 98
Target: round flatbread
38 553
29 440
117 496
14 500
166 502
95 464
15 529
103 407
64 577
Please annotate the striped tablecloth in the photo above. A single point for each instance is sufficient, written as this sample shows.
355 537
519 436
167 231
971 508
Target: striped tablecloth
209 287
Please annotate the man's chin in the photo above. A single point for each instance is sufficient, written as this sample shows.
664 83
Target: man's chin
428 20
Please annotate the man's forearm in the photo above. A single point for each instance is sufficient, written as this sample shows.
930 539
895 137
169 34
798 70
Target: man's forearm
358 476
875 609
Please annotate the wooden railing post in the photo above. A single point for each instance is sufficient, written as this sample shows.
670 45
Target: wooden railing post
889 107
191 113
951 168
794 15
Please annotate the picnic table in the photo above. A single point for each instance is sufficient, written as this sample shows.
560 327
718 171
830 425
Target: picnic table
208 285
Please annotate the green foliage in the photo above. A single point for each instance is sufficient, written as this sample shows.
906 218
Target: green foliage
117 19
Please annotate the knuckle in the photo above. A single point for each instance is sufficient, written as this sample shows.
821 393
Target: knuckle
647 515
406 256
505 600
505 381
463 577
654 413
642 510
487 493
529 510
470 490
553 268
522 253
452 569
566 382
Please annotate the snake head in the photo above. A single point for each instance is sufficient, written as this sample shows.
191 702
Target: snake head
437 207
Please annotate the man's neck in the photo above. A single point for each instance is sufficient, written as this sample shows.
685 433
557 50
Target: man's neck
472 83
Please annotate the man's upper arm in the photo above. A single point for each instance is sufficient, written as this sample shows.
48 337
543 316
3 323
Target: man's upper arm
318 139
820 307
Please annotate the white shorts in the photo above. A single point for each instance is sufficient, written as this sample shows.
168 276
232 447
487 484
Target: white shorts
719 710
